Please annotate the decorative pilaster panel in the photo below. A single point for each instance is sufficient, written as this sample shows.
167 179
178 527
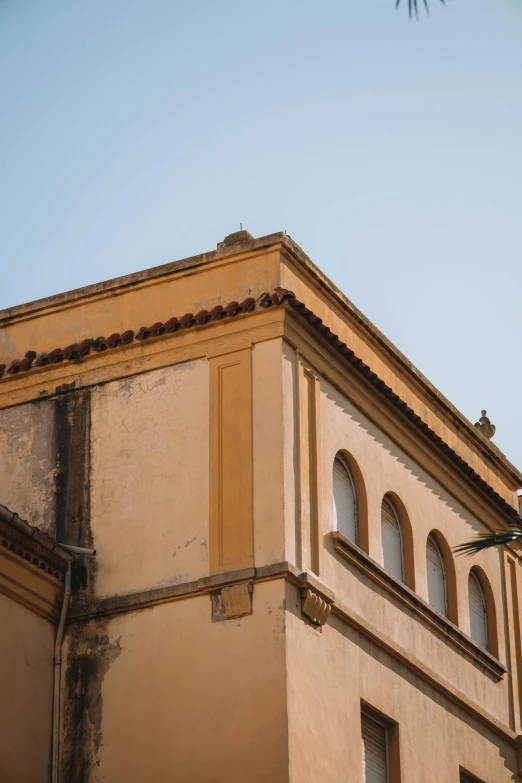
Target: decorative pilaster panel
511 567
307 384
231 534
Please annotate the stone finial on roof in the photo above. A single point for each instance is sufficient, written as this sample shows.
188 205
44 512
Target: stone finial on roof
235 239
485 426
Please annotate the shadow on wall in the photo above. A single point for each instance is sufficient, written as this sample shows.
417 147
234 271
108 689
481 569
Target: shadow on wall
365 580
399 456
419 714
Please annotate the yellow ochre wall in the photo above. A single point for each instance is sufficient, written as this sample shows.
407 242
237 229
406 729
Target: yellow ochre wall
204 459
26 663
336 672
184 699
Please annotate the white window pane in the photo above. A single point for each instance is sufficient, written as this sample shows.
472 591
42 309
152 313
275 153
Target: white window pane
344 501
374 751
392 546
478 616
437 596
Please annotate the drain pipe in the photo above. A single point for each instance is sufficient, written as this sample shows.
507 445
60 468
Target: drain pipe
57 677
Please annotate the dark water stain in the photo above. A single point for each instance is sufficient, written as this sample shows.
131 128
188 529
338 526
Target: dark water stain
91 654
72 417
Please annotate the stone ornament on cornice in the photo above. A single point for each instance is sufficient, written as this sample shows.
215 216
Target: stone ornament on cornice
485 426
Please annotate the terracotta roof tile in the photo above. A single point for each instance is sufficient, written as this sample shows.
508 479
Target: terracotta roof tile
277 297
76 351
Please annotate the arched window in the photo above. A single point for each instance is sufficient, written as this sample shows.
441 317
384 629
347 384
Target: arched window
392 544
478 612
344 501
437 589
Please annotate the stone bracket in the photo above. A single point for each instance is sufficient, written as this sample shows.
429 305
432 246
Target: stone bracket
316 600
315 608
232 601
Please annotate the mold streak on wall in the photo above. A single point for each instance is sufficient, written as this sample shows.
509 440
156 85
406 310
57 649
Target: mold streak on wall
72 422
90 654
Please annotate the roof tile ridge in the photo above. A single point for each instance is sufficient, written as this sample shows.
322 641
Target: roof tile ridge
76 351
363 369
279 296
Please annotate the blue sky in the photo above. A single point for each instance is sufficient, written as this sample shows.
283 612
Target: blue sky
137 133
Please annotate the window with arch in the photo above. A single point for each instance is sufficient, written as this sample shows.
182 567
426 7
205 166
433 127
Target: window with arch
345 514
436 572
478 611
392 540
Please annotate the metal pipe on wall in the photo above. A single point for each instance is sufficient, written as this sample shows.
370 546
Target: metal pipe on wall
57 673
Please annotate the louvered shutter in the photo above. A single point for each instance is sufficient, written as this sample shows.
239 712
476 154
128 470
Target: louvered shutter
436 578
374 751
392 547
344 501
478 615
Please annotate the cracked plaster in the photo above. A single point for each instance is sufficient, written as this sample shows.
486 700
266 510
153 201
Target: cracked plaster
28 462
149 478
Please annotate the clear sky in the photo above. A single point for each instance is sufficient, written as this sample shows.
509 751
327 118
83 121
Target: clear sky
135 133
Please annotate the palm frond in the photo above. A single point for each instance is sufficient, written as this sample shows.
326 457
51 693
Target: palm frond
487 540
413 7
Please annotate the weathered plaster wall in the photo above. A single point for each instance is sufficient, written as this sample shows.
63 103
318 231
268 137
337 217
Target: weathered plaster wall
149 479
164 694
384 469
324 719
26 662
28 465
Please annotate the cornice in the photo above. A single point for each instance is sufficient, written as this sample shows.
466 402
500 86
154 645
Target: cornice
401 411
294 253
342 304
28 542
162 331
119 285
29 584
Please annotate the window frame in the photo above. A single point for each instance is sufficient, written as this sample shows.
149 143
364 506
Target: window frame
391 727
371 717
444 576
339 457
474 574
466 777
387 499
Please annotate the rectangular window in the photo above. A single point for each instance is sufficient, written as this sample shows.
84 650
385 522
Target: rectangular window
465 777
375 753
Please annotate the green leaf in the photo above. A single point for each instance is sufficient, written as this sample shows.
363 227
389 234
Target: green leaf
413 7
487 540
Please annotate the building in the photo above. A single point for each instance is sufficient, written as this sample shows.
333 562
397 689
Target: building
274 494
32 579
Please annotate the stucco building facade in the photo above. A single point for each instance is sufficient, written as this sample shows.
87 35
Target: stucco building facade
274 494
